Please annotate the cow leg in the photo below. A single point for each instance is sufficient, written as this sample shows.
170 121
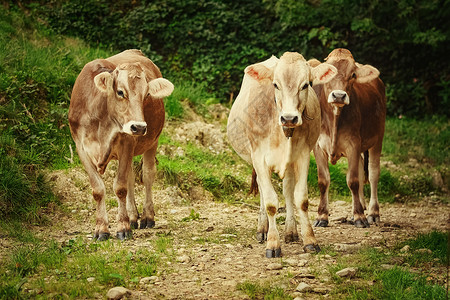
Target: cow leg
353 182
290 234
149 173
374 176
131 203
269 196
263 221
301 202
361 183
98 191
121 189
323 174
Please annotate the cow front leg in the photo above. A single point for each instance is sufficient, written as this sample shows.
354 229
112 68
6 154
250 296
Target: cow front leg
323 175
290 230
353 182
121 189
149 173
269 196
374 176
131 203
263 221
301 201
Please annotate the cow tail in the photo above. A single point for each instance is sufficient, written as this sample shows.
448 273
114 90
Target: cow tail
366 166
254 186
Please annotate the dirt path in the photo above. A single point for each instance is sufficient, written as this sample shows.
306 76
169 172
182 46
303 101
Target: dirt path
217 251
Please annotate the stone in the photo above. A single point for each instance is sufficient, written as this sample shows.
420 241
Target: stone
347 247
303 287
405 249
386 266
302 262
147 280
117 293
347 272
291 262
183 259
90 279
274 266
424 250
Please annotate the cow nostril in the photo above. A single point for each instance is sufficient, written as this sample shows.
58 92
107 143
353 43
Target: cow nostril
295 120
138 129
133 128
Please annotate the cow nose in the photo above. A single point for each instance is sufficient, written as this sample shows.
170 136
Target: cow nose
138 129
339 96
289 120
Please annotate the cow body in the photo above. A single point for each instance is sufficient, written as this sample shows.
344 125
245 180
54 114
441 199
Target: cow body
117 112
353 108
273 125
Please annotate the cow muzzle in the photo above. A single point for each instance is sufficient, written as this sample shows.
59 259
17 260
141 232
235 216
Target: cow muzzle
135 128
288 120
338 98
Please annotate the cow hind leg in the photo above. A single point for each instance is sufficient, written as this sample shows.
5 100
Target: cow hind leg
323 174
374 176
149 173
353 182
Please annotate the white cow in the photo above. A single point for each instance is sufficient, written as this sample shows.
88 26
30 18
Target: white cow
274 124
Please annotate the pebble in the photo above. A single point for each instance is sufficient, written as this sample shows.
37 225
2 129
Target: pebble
183 259
386 266
347 247
117 293
274 266
305 256
303 287
412 215
347 272
147 280
302 262
424 250
291 262
90 279
405 249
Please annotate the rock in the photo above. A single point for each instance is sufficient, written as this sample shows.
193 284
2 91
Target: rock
386 267
347 247
305 256
405 249
274 266
436 180
303 287
412 215
291 262
347 272
302 262
320 290
147 280
90 279
183 259
117 293
424 250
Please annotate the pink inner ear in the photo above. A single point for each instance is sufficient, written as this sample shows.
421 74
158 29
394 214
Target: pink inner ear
251 72
329 72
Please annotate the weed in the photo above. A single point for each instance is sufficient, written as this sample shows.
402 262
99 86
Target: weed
193 216
257 291
427 247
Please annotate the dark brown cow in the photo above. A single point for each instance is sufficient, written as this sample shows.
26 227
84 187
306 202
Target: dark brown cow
353 106
117 112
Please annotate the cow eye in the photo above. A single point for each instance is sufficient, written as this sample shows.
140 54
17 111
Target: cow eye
354 75
120 93
276 86
305 86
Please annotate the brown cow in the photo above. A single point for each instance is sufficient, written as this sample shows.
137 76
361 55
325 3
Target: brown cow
117 112
273 125
353 107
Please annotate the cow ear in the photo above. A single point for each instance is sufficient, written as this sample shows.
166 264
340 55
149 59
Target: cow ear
259 72
160 88
103 81
323 73
366 73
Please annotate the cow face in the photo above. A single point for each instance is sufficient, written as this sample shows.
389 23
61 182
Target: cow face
349 73
291 77
128 88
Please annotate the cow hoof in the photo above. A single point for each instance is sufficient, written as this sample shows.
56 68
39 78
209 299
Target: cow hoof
373 219
272 253
290 238
102 236
147 224
362 224
124 235
311 248
321 223
134 225
261 237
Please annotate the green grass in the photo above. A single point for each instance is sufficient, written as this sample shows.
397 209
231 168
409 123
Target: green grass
255 290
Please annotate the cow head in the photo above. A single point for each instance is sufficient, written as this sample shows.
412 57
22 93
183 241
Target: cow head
128 88
349 73
291 77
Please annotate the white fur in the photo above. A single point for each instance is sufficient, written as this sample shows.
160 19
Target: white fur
103 81
160 88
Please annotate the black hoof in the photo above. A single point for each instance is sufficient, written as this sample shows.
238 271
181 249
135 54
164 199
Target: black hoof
261 237
147 224
311 248
272 253
362 224
373 219
321 223
102 236
290 238
134 225
124 235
